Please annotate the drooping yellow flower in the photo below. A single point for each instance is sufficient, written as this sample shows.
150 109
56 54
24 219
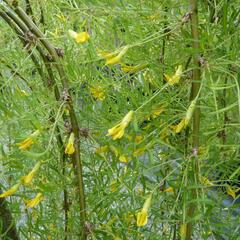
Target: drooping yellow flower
28 141
142 216
112 58
28 178
35 201
81 37
178 128
98 93
231 192
11 191
132 69
123 159
117 131
168 190
205 181
70 145
184 122
176 77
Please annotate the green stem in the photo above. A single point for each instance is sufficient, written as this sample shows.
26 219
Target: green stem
196 115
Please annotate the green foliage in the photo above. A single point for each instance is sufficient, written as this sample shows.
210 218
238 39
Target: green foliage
150 157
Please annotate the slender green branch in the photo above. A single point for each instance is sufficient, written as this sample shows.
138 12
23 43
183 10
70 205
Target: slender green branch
194 174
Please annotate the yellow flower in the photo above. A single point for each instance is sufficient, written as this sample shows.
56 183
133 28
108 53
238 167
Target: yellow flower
178 128
117 131
28 141
98 93
35 201
231 191
81 37
142 216
11 191
205 181
138 139
28 178
176 77
123 159
112 59
183 230
184 122
70 145
132 69
157 111
169 190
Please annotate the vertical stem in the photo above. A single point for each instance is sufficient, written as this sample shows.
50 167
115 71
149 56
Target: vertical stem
196 115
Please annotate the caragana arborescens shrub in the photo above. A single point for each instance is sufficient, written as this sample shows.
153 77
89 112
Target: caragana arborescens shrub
119 119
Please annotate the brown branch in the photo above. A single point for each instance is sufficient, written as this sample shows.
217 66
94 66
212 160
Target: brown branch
76 156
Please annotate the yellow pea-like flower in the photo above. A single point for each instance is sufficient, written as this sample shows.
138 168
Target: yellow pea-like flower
142 216
205 181
70 145
35 201
123 159
169 190
28 141
28 178
112 58
176 77
231 191
81 37
11 191
117 131
181 125
184 122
